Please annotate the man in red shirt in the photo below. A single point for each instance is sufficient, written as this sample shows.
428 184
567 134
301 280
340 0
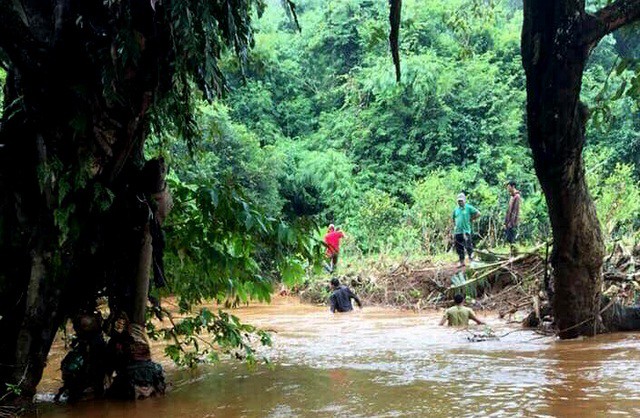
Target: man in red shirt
332 240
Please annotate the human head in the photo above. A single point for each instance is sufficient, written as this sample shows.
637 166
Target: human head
511 186
332 227
87 323
458 299
462 199
335 282
121 322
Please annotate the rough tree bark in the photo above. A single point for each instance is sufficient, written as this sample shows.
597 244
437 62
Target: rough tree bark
62 144
557 37
77 199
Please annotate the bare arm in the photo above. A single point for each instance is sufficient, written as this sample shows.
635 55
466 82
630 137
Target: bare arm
354 297
473 316
444 319
475 213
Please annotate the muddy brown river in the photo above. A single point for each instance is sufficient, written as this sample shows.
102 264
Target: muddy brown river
386 363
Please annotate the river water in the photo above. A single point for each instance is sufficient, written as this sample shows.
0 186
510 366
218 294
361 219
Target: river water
386 363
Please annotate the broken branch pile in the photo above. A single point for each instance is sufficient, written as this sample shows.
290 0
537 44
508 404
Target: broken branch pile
497 282
621 275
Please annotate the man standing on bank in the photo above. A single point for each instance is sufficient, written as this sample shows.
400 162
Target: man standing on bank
332 241
462 217
513 217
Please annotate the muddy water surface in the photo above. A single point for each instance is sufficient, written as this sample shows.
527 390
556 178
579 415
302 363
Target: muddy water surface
384 363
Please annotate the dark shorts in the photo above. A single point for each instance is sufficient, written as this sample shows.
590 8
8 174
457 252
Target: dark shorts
510 235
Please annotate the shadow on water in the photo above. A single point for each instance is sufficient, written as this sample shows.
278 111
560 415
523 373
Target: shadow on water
384 363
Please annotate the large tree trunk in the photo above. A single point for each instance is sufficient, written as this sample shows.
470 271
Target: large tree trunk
29 279
77 200
556 40
39 323
64 149
554 63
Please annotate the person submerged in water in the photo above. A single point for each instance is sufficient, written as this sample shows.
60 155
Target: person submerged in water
341 296
459 315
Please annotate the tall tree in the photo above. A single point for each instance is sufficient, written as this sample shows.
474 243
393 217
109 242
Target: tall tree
557 38
80 208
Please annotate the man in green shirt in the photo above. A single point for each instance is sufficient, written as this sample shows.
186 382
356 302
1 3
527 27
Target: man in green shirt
463 214
459 315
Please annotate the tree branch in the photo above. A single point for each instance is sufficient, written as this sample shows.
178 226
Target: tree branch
290 9
609 19
395 7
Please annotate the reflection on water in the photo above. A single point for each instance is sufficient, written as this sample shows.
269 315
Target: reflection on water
383 363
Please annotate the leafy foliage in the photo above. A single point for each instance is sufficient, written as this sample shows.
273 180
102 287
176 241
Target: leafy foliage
617 194
206 335
222 247
227 237
314 128
401 152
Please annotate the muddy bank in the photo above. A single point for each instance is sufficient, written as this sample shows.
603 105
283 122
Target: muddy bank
493 282
517 288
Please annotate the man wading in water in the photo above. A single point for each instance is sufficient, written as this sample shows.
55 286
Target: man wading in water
459 315
341 296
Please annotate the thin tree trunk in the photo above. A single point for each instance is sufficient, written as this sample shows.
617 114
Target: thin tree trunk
39 325
142 278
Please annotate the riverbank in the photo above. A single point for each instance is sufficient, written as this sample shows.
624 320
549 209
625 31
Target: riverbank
518 287
493 282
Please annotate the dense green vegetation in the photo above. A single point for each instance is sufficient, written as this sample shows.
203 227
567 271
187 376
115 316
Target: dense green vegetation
91 95
313 128
227 239
343 142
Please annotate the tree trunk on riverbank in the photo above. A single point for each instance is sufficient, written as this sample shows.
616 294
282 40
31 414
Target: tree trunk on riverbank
80 208
557 38
75 204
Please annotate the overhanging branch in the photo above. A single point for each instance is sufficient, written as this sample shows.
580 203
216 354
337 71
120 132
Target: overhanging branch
290 9
395 7
609 19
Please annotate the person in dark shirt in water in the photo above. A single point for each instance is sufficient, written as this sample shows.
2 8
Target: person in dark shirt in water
341 296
